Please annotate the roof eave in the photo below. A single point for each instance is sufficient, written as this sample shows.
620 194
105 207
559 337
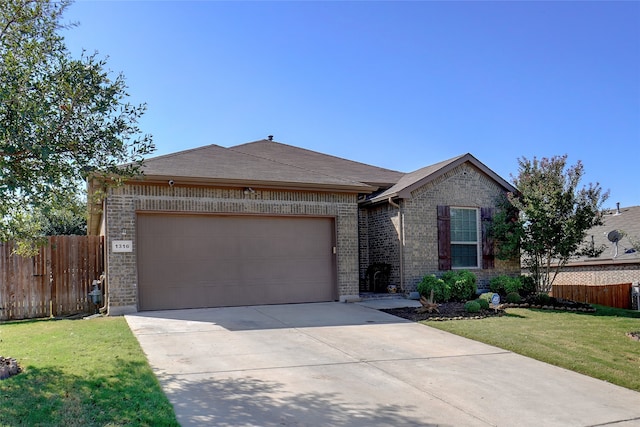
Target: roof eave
597 262
379 200
256 184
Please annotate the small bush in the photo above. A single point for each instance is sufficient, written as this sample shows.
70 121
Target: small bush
441 291
504 284
472 306
541 298
513 286
487 296
484 304
496 284
462 284
513 298
528 285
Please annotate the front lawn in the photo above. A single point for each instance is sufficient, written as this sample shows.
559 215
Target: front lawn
594 344
79 373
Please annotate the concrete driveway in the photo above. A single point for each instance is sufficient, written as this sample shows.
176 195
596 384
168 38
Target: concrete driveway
338 364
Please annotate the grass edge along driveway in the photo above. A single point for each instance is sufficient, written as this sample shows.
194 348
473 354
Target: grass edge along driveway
593 344
79 373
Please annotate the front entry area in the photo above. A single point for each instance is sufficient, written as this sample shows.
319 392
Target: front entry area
195 261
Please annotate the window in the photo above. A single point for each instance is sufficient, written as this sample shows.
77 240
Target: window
465 238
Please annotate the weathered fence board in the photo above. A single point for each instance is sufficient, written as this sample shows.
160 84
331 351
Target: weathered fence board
56 282
618 296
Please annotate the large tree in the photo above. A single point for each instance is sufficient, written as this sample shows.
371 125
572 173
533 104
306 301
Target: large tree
547 219
60 117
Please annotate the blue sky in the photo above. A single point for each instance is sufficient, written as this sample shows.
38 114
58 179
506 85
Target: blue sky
400 85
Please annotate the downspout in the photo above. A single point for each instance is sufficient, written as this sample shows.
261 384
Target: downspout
103 285
401 241
105 256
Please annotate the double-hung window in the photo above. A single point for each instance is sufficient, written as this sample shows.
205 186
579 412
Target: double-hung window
466 238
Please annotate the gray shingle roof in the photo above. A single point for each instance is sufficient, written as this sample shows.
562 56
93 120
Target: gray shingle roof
213 163
319 162
270 163
626 222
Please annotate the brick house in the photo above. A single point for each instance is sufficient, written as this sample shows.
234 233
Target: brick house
268 223
413 224
614 259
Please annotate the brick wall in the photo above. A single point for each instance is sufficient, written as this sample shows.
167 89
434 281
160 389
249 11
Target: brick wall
123 203
464 186
383 226
363 245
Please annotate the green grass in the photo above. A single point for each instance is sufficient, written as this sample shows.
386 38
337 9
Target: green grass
593 344
79 373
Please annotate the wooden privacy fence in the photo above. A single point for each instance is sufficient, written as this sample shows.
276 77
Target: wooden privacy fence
56 282
618 296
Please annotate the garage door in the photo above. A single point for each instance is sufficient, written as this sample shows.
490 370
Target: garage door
190 261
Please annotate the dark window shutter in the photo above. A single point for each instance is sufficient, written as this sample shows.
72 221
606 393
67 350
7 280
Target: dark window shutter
486 215
444 238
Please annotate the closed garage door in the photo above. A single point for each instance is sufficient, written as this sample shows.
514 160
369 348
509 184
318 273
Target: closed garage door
190 261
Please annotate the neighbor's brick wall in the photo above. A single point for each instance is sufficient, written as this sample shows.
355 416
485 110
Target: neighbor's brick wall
612 274
123 203
464 186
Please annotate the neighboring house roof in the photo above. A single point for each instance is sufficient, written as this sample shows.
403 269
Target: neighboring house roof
411 181
626 221
216 164
322 163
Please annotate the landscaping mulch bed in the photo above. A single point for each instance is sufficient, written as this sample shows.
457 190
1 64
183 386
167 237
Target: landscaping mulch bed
456 311
447 311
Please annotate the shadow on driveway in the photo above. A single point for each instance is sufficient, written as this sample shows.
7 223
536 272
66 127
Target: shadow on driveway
337 364
271 317
248 401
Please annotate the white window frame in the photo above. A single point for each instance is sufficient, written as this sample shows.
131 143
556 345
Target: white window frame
478 241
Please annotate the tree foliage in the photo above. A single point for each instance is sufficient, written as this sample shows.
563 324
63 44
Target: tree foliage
60 117
70 219
554 216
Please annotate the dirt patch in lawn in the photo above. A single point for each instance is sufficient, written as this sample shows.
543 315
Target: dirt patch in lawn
634 335
8 367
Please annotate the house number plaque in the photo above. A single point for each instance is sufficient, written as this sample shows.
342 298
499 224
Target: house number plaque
121 246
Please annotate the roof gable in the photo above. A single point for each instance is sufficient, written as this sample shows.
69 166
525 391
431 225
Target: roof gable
411 181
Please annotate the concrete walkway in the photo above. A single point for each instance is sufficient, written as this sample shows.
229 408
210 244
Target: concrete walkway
337 364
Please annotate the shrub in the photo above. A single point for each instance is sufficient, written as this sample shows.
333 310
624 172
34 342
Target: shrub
504 284
441 291
528 285
497 284
472 306
514 285
484 304
487 296
513 298
462 284
541 299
